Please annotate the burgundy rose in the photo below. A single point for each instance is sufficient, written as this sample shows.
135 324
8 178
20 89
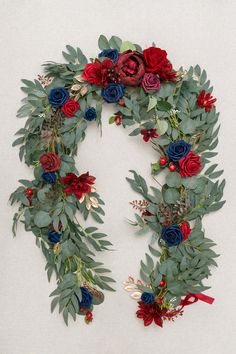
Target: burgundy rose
70 107
156 62
185 228
151 82
130 68
50 162
189 165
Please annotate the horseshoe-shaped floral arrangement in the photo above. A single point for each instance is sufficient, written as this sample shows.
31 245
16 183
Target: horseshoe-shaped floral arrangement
174 110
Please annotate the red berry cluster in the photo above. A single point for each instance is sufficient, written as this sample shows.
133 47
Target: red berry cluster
164 162
29 192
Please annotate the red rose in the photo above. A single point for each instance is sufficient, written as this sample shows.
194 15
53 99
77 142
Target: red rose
156 62
50 162
130 68
189 165
185 229
98 72
70 107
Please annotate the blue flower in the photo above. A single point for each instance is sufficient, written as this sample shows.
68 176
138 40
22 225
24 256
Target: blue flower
87 298
53 236
113 92
147 298
90 114
172 235
58 96
49 177
112 54
178 149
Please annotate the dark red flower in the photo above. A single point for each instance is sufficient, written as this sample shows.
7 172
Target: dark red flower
70 107
150 313
206 100
148 134
98 72
156 62
78 185
130 68
189 165
50 162
185 228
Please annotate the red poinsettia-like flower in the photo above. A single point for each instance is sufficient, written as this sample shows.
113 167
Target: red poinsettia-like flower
150 313
78 185
206 100
148 134
98 73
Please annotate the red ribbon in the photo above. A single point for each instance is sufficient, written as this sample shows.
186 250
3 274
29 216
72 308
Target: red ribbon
191 298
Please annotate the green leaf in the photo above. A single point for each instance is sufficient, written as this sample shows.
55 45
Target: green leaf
111 120
42 219
115 42
103 42
127 46
163 106
152 103
162 126
173 179
171 195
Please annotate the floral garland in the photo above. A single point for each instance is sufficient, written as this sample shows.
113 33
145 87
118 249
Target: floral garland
175 111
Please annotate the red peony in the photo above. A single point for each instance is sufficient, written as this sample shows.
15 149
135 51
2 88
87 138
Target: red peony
190 165
150 313
78 185
157 63
50 162
98 72
205 100
148 134
130 68
185 228
70 107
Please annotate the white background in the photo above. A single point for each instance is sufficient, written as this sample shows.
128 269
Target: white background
192 32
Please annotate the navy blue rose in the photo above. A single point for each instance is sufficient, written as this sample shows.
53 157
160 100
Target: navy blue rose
90 114
113 92
178 149
172 235
49 177
54 237
112 54
147 298
58 96
87 298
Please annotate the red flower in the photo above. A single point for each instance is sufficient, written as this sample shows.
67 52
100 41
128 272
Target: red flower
157 63
205 100
78 185
130 68
149 133
185 230
150 313
190 165
70 107
98 72
50 162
